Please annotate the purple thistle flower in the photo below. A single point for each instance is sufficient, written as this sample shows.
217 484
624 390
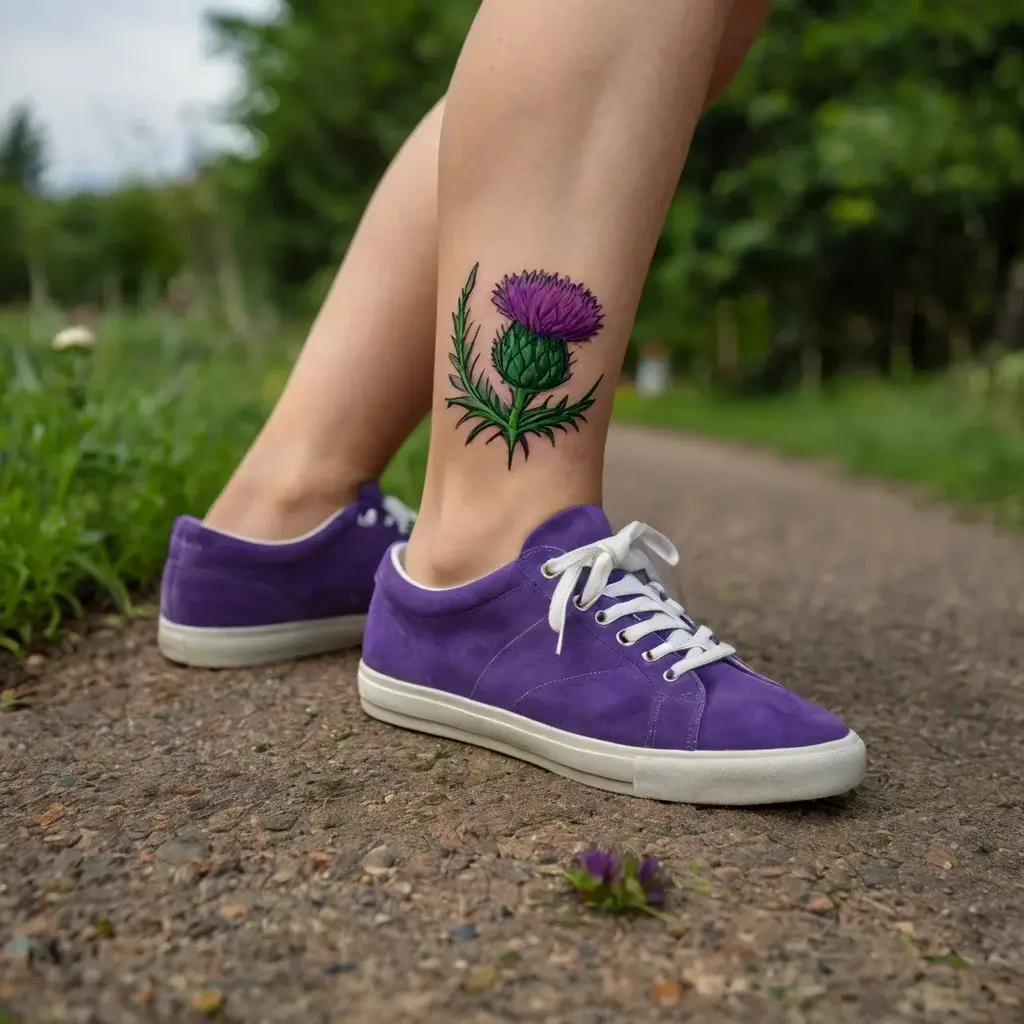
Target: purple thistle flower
549 305
601 865
650 881
648 870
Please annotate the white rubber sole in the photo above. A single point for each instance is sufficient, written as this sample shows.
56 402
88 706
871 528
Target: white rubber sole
721 778
243 647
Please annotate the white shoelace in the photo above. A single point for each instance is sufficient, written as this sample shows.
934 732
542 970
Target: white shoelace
396 513
649 601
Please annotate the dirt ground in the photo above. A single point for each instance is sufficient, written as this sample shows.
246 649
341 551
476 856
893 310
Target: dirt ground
181 845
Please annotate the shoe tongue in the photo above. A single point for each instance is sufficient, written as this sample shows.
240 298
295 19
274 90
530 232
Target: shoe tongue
370 494
571 528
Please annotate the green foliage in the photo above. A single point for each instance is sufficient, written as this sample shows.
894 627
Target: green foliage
867 159
609 883
22 151
100 450
333 89
855 199
101 447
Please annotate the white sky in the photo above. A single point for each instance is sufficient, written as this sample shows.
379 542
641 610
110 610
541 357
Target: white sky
122 86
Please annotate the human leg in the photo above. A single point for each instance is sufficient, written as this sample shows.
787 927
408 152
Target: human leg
516 618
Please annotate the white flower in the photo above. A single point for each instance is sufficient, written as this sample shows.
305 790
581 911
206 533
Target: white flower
73 337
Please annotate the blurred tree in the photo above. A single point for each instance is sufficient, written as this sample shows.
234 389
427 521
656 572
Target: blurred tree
22 150
855 200
332 90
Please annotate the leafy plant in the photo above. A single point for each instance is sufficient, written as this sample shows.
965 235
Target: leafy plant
613 884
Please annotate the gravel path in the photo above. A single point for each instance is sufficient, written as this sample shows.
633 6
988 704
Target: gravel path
181 846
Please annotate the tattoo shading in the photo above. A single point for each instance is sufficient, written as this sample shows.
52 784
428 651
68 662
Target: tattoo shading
546 315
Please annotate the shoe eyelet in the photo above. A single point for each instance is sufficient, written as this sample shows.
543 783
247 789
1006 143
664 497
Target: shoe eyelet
647 656
669 676
546 572
620 636
577 605
600 618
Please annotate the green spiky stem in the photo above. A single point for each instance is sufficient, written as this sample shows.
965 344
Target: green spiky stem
520 399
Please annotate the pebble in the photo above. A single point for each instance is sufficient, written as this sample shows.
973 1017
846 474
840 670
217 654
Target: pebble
226 820
26 950
379 860
95 869
340 967
189 845
278 821
464 932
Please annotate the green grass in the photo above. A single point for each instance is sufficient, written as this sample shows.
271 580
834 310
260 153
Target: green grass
927 434
100 449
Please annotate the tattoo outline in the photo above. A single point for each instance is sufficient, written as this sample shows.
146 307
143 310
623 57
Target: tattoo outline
546 313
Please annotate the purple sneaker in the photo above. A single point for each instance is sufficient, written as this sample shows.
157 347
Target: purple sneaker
228 602
574 657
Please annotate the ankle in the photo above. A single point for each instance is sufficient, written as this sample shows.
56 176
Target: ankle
279 502
437 557
461 539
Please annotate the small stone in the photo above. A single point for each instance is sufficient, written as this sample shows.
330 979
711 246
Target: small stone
144 993
232 911
480 979
50 815
379 861
226 820
209 1001
190 873
820 904
340 967
188 845
67 782
27 950
344 865
705 982
94 870
589 957
464 932
668 993
19 948
879 876
940 859
278 821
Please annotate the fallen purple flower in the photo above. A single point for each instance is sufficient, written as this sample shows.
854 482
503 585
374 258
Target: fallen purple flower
602 865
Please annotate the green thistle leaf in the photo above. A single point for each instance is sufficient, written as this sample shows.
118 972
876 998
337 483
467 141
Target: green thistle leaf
475 394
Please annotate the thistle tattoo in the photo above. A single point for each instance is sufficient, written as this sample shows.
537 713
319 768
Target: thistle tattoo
546 315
